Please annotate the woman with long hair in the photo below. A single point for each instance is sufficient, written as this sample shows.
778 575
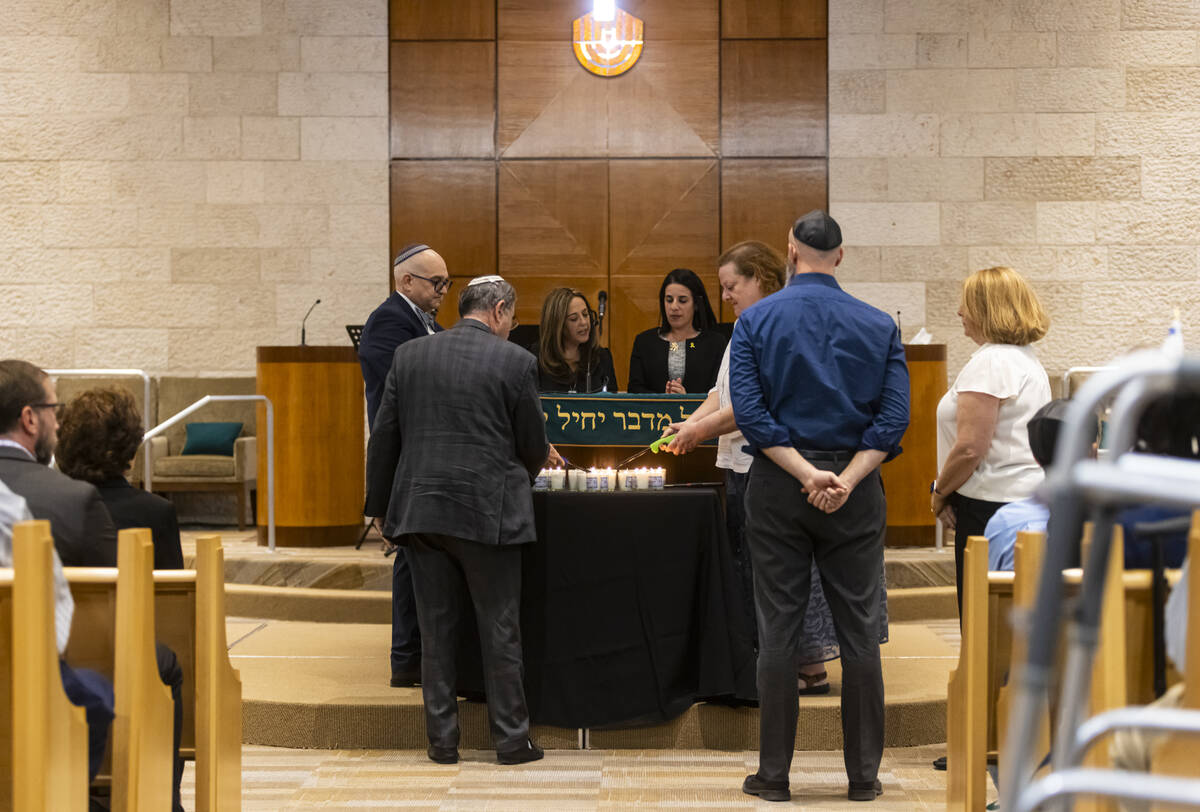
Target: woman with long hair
570 358
684 352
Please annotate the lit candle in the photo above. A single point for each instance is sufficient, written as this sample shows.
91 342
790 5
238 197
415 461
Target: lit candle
593 480
558 479
578 480
643 478
656 478
627 479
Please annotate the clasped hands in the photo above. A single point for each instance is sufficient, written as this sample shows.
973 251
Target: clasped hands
826 490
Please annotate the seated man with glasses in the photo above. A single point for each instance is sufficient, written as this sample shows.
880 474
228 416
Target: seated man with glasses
83 531
421 281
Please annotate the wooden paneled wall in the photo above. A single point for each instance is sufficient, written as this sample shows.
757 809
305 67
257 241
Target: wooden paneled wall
508 157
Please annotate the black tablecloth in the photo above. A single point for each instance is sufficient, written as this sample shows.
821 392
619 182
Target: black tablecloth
628 610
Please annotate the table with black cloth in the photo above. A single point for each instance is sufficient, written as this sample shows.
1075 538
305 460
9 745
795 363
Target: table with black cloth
628 610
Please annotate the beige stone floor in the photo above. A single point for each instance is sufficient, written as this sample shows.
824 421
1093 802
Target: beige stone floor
278 779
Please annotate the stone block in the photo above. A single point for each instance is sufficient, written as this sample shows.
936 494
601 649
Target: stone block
941 50
871 51
84 181
1161 14
35 265
217 18
54 349
293 226
158 304
1066 133
364 18
1170 177
93 94
904 298
120 54
223 349
84 226
158 94
37 54
882 135
1149 304
67 18
856 16
988 223
1147 133
1152 262
368 265
359 225
46 304
232 94
1011 49
1105 49
950 91
1063 178
860 263
136 138
888 223
187 54
925 16
344 54
119 264
344 139
1163 89
183 225
234 182
987 134
333 94
261 54
1066 223
1074 263
152 182
341 182
122 348
1070 90
920 263
935 179
1066 15
1165 222
28 182
270 139
857 91
858 179
286 264
212 137
342 304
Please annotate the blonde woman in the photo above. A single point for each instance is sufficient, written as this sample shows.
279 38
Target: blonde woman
984 458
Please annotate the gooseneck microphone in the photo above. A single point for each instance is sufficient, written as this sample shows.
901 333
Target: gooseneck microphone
601 307
305 319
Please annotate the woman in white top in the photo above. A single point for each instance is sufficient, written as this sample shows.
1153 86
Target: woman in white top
984 459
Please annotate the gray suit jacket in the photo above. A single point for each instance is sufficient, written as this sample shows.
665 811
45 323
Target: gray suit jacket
458 439
84 534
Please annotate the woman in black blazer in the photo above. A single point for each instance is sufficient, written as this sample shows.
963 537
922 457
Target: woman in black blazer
570 358
98 435
682 354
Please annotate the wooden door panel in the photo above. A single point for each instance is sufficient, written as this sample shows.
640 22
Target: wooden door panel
774 98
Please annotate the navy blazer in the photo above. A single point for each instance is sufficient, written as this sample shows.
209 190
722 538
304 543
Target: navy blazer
459 438
389 326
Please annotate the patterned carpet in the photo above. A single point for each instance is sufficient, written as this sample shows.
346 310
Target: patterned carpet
278 779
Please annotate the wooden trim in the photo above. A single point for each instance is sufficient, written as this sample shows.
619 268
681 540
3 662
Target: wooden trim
331 536
918 535
923 352
307 355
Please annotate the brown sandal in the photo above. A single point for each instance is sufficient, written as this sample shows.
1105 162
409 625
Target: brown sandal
814 684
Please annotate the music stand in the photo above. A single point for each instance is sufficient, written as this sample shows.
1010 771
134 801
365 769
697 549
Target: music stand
355 333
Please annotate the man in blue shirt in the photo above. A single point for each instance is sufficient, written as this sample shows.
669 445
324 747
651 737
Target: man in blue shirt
820 390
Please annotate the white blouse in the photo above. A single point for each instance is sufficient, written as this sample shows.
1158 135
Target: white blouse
1015 376
729 446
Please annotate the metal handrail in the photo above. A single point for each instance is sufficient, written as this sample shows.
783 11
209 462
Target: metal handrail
85 373
1167 720
1066 378
170 421
1111 784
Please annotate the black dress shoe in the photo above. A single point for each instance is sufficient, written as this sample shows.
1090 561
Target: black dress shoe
443 755
408 678
767 790
523 754
939 763
864 790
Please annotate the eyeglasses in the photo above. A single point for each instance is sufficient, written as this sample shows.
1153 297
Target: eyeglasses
439 285
57 407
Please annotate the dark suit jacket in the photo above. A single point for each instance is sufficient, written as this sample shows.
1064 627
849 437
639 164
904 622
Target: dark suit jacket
83 532
389 326
458 439
603 375
134 507
648 362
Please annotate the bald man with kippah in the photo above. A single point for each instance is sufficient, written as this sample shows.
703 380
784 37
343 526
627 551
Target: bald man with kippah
421 281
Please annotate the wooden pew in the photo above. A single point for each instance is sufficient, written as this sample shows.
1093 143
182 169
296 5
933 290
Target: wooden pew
218 689
966 700
49 737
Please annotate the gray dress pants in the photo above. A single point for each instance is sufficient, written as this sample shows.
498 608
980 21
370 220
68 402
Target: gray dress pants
785 534
450 575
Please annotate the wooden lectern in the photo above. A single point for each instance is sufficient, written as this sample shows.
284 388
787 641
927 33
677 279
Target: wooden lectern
906 479
320 461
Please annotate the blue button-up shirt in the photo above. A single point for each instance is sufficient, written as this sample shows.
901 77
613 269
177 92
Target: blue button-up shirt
814 368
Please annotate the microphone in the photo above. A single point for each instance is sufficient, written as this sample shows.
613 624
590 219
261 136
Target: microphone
601 307
305 319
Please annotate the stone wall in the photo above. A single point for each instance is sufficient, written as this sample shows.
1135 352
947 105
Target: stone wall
1061 137
179 180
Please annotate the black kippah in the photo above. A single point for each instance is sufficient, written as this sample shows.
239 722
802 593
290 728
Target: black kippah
410 252
818 230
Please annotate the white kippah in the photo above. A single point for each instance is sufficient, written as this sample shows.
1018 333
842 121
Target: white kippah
480 280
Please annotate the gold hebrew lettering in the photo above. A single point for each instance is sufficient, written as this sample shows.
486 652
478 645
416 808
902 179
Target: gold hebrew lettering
583 416
575 417
634 416
662 420
601 417
620 416
564 415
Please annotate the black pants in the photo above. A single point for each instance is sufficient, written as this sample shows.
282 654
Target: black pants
970 518
785 534
406 638
172 676
450 575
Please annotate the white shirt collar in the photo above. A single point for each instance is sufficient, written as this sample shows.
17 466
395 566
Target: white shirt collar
425 318
4 441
